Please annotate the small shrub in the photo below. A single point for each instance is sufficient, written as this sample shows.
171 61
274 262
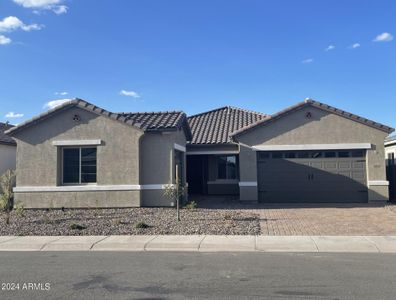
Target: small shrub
20 210
191 205
141 225
75 226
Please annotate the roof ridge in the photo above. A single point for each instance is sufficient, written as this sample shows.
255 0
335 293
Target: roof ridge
151 112
228 107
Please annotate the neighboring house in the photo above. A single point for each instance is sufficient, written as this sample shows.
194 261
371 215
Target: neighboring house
79 155
390 153
7 149
310 152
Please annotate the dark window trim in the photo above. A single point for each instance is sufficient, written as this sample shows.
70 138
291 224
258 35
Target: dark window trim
226 175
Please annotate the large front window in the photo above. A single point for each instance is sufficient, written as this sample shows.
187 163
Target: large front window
79 165
227 167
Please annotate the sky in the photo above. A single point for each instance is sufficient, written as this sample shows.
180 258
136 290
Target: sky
149 55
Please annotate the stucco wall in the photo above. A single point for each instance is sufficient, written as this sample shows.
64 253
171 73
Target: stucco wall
322 128
157 164
7 158
38 160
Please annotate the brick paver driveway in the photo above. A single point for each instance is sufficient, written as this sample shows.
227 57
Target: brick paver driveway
316 219
327 220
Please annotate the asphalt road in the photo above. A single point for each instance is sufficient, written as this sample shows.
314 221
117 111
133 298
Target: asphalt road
158 275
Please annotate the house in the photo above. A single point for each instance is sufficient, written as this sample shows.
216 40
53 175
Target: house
79 155
7 149
310 152
390 151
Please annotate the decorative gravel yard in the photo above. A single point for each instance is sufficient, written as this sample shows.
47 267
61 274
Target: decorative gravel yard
135 221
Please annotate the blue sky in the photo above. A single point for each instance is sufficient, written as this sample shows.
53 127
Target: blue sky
198 55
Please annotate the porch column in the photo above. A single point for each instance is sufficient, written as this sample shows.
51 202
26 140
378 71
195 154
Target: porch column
247 174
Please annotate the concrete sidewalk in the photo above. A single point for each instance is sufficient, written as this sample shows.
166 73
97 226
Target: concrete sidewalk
204 243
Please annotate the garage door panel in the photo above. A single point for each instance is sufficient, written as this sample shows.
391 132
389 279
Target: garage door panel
315 179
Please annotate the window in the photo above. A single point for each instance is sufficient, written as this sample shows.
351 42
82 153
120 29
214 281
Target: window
358 153
227 167
344 154
277 155
330 154
79 165
290 155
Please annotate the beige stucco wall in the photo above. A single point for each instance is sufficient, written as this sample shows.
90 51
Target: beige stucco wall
390 149
38 160
7 158
157 164
322 128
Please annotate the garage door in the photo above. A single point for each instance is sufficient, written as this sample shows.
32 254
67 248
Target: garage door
312 176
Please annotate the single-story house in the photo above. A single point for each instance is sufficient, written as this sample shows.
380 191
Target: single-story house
7 149
390 153
79 155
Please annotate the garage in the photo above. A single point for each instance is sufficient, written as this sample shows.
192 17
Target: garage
312 176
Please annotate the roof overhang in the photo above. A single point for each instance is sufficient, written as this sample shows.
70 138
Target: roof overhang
302 147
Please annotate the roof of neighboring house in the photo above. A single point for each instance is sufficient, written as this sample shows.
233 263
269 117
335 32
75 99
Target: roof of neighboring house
144 121
310 102
5 139
215 126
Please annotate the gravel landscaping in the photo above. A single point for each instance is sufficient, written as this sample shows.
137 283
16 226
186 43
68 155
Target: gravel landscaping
135 221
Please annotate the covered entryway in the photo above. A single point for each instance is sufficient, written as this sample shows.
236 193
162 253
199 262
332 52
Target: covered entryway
312 176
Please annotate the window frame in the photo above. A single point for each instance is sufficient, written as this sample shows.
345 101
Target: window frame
79 166
226 169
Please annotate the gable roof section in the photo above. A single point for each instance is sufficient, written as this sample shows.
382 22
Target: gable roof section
319 105
215 126
5 139
142 121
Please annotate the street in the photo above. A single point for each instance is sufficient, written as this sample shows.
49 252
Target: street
165 275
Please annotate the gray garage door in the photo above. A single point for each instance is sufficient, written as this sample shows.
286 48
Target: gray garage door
312 176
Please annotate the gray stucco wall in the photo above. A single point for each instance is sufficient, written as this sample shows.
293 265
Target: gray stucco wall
322 128
7 158
157 164
117 160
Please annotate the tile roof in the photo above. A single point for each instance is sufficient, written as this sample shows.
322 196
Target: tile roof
215 126
144 121
5 139
155 120
310 102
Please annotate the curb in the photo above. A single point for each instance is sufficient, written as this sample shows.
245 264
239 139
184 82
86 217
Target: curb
202 243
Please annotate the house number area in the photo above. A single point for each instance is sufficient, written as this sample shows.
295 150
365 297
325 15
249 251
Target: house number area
25 286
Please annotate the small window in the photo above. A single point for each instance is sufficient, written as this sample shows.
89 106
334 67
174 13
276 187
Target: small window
277 155
330 154
290 155
344 154
227 167
303 154
358 153
264 155
79 165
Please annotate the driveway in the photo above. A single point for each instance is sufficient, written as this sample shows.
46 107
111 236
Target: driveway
316 219
327 220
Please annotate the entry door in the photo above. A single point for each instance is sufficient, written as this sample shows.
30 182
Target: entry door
312 176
